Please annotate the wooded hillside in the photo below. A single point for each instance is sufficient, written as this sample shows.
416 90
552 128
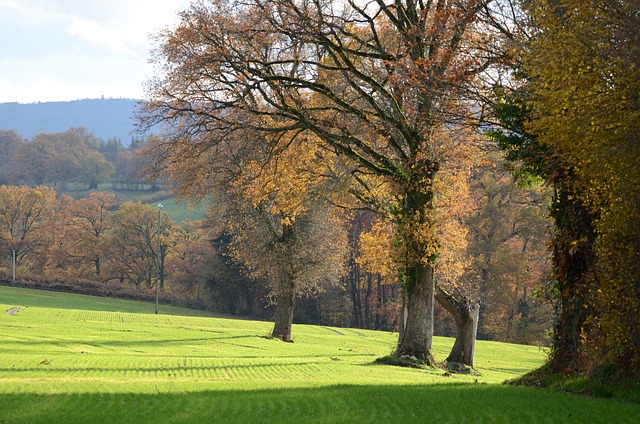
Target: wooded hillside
106 118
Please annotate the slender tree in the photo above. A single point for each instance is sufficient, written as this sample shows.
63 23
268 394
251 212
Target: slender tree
91 222
280 228
138 244
293 257
186 262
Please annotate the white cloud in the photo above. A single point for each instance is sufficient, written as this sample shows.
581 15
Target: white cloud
101 35
69 49
27 14
121 26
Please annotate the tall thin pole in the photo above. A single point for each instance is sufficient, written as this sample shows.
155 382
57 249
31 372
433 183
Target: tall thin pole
158 260
14 265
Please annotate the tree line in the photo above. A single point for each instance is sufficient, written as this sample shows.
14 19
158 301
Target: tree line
357 292
100 245
72 156
96 245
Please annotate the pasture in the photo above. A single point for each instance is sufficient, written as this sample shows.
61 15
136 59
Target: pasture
179 211
70 358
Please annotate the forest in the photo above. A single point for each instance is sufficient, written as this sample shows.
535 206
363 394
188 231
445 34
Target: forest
75 156
458 167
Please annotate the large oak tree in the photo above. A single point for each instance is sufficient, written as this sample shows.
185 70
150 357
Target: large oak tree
372 81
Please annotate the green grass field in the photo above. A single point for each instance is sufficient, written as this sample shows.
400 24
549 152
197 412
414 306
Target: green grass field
79 359
179 211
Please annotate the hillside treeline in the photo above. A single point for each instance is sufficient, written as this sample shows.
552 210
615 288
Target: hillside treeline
72 156
95 245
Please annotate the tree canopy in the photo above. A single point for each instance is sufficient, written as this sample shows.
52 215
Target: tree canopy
375 83
583 61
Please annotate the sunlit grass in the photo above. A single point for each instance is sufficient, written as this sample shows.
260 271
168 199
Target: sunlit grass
77 363
52 299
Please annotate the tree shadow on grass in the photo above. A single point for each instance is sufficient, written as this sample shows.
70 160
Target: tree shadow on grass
437 403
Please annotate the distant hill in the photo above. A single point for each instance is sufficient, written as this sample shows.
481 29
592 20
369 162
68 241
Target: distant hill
106 118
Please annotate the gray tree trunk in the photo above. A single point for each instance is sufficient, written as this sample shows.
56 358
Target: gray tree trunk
466 313
285 290
416 337
285 298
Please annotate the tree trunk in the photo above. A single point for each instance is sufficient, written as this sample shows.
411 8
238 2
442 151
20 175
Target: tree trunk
377 325
285 290
403 315
285 298
465 313
573 262
355 293
367 322
417 250
416 338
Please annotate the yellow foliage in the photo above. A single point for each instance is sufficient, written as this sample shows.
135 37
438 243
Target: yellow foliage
584 62
375 250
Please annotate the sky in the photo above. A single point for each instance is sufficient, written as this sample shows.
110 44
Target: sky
63 50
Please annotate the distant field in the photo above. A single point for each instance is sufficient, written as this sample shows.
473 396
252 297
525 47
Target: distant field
69 358
179 211
51 299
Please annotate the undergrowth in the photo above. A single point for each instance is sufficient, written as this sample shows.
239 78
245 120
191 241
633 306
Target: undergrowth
598 384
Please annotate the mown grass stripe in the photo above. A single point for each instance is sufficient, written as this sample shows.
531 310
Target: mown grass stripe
129 367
